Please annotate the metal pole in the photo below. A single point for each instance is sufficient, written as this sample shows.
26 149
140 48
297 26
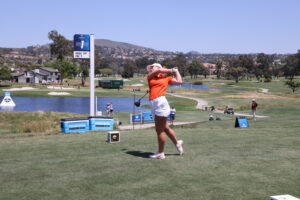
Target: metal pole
92 76
96 107
133 108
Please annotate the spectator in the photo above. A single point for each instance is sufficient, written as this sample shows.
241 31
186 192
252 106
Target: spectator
254 107
107 109
172 115
111 109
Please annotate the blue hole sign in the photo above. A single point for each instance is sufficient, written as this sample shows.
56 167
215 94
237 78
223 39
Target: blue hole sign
81 42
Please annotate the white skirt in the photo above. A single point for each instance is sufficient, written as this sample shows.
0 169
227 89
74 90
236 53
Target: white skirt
160 107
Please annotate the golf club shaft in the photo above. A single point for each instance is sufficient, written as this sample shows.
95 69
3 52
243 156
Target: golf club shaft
143 95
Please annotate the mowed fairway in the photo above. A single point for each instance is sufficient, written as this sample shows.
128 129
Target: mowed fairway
220 162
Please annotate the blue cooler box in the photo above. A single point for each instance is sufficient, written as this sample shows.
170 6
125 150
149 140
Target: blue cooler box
101 123
73 125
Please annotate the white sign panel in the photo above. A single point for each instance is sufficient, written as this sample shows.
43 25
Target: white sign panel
81 54
283 197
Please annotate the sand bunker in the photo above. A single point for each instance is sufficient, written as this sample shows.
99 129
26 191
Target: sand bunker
59 88
58 93
264 90
20 89
139 84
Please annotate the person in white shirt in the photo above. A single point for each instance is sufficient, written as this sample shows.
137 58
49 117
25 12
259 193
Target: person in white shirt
172 115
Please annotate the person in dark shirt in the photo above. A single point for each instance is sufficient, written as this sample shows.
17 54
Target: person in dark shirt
254 107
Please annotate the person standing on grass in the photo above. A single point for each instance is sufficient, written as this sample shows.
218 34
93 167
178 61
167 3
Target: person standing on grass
254 106
172 115
158 81
107 109
111 109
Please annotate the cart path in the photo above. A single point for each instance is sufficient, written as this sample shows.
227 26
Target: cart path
200 102
242 114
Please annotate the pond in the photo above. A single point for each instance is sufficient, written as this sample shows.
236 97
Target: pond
82 104
74 104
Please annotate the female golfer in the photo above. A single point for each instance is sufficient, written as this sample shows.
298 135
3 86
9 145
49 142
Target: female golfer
158 81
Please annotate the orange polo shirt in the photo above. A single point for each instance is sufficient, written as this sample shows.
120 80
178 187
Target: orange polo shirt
158 86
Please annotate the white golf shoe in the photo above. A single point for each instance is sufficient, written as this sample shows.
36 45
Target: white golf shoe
179 147
158 156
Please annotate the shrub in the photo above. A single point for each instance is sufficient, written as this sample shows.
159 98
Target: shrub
268 80
198 83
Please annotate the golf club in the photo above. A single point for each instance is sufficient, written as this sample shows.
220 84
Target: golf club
138 102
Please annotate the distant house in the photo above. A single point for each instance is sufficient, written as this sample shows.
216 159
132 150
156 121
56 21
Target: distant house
212 67
40 75
52 74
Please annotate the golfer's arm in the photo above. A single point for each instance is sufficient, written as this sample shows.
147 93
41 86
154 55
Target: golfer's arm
156 72
177 80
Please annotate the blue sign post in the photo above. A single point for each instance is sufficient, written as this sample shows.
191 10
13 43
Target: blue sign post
84 48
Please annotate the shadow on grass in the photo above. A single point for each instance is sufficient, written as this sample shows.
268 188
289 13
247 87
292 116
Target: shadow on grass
145 154
139 154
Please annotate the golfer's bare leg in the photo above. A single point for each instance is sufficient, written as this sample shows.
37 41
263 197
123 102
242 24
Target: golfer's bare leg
170 133
160 126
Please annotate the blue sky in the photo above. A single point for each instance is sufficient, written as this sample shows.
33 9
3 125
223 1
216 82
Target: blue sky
206 26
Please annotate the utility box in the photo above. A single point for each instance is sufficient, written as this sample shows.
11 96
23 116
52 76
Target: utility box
73 125
111 84
101 123
113 136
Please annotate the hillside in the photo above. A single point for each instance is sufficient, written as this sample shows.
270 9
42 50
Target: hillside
116 50
114 44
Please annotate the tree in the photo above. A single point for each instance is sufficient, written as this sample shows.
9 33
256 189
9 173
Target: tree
129 68
293 85
246 62
169 63
114 66
277 69
5 74
234 70
195 68
219 65
61 47
181 62
141 63
66 69
83 70
204 71
106 71
292 66
263 63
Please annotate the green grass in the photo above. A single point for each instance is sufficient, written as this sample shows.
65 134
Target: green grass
220 162
36 123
